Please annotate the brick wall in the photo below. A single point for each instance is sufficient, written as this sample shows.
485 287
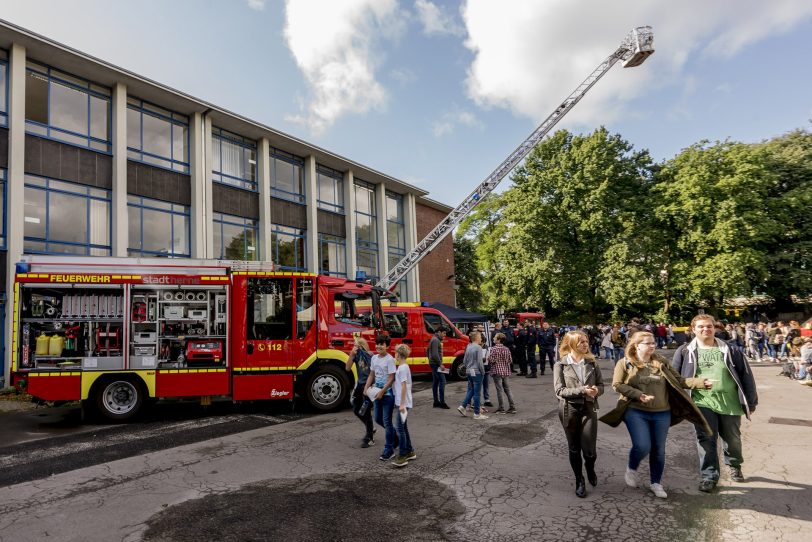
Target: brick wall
436 269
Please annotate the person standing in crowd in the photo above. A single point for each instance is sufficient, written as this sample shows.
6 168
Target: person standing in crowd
606 342
435 355
360 357
510 338
772 335
475 369
497 328
382 375
577 382
486 378
761 335
618 341
519 349
651 400
530 348
545 338
805 361
403 402
500 360
733 394
670 333
661 335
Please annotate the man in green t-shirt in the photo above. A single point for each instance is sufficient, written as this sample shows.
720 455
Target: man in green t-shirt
733 393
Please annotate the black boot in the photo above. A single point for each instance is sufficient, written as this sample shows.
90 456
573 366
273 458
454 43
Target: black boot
589 463
577 466
580 488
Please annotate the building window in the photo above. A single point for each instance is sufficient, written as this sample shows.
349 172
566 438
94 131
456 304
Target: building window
3 88
235 238
158 228
287 176
366 228
332 255
66 218
331 189
64 107
157 136
234 159
2 208
396 237
288 248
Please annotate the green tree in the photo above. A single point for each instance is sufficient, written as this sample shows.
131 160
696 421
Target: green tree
466 274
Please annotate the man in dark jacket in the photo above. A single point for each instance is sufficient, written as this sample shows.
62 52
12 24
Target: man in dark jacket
530 347
545 337
510 338
519 345
733 394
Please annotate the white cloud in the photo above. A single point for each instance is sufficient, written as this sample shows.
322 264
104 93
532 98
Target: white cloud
436 21
336 46
528 56
258 5
449 120
404 76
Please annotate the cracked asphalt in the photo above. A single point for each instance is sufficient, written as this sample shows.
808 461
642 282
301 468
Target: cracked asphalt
506 478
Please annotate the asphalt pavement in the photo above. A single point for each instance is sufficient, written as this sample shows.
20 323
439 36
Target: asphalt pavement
505 478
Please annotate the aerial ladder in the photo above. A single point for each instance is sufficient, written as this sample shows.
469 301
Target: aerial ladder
633 51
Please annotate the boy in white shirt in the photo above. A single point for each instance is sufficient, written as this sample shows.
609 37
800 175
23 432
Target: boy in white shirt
403 402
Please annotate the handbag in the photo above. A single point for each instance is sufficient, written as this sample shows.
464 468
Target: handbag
372 392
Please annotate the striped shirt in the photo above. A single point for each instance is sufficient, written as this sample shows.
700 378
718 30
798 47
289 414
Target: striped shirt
500 359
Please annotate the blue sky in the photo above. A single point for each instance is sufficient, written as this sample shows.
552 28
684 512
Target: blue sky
438 93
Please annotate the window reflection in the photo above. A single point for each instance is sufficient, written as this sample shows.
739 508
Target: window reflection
158 228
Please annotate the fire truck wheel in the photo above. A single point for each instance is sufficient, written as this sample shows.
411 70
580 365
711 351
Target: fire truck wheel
119 399
458 370
327 388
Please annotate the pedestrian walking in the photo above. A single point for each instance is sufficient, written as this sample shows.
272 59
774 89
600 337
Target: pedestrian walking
606 343
652 399
475 370
435 355
361 358
382 375
530 349
500 360
546 339
578 382
733 395
403 403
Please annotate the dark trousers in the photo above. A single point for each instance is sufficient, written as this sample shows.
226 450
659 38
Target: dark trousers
727 427
580 423
520 359
437 384
358 400
546 352
531 358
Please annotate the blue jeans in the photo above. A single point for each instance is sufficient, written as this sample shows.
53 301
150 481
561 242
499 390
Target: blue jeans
727 427
608 352
383 417
405 441
474 388
619 353
771 350
437 384
486 378
648 431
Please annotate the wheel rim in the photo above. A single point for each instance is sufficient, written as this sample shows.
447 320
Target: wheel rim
326 389
120 397
461 374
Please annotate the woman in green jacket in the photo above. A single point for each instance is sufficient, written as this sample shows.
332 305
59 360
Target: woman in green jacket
652 399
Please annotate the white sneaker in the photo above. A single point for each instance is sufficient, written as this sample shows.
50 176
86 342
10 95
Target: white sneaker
658 490
631 477
480 417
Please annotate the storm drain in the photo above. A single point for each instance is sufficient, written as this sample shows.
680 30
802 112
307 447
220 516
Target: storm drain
514 435
791 421
358 507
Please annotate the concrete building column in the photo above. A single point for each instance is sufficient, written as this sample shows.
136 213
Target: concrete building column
312 248
383 242
120 217
202 242
410 217
15 191
349 223
264 185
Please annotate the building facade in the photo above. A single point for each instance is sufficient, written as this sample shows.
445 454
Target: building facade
99 161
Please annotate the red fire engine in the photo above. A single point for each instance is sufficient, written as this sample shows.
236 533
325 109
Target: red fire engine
113 332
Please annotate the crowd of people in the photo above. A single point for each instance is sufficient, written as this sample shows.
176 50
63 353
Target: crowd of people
707 382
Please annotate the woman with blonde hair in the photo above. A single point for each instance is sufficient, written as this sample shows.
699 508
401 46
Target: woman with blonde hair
578 382
652 398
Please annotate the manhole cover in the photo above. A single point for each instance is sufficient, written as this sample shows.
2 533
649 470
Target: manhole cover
359 507
514 435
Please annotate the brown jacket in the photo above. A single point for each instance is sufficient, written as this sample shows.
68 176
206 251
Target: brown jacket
682 407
